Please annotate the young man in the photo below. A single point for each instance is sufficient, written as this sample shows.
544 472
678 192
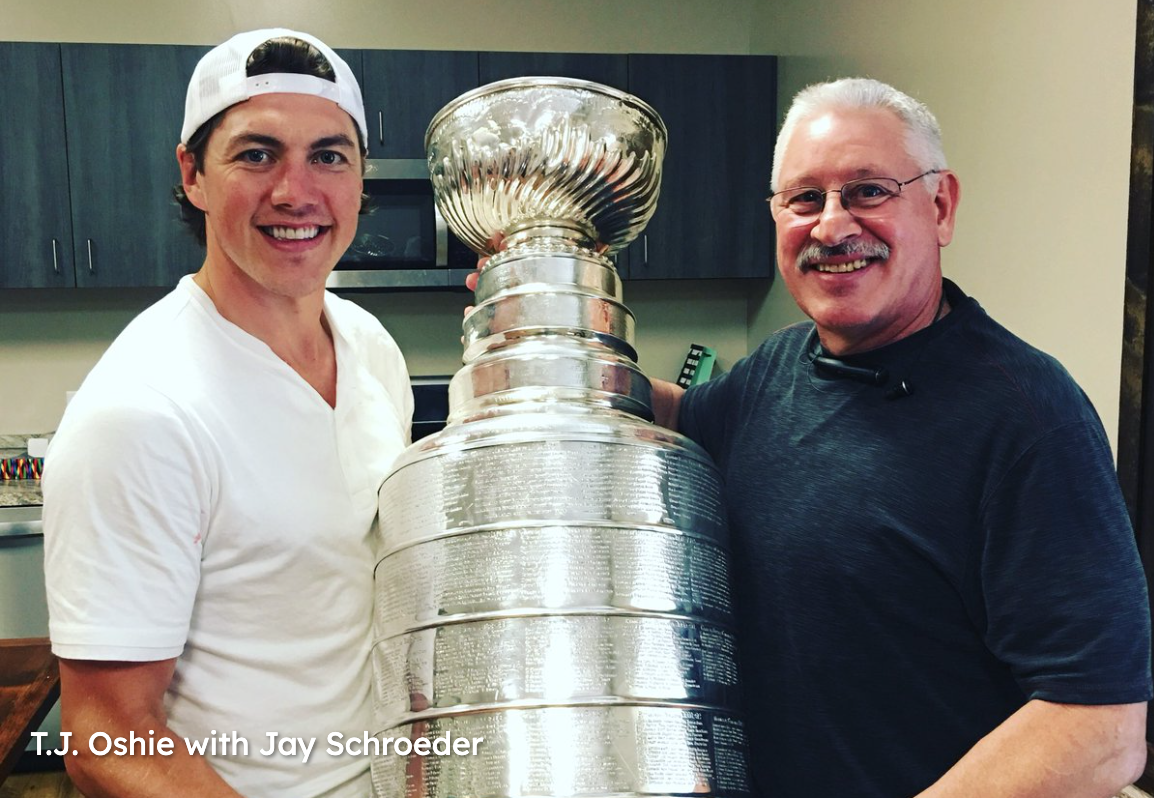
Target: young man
937 584
209 512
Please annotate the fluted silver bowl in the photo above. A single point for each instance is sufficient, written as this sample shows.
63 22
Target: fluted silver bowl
526 150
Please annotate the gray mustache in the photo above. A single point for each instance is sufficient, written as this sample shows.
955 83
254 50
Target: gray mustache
816 253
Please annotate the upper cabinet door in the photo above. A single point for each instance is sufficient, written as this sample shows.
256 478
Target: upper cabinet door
404 89
35 225
124 105
612 70
712 219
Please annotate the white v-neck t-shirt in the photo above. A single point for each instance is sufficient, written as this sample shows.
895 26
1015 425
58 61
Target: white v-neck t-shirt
202 501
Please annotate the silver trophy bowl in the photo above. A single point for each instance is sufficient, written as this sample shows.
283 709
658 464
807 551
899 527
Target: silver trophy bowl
536 151
554 572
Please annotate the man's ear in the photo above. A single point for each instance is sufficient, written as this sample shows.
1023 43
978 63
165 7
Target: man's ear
190 177
946 202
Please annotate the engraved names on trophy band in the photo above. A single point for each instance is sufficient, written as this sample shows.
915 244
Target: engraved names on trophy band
578 750
553 567
571 481
533 659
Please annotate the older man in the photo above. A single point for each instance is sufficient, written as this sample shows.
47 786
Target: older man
937 583
210 504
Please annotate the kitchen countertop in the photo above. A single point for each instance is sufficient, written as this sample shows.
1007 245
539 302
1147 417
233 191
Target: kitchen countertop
20 492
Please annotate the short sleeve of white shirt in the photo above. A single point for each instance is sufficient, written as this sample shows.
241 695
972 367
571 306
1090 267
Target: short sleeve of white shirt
124 504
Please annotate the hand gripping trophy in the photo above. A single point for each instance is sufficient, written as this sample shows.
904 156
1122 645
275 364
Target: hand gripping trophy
553 588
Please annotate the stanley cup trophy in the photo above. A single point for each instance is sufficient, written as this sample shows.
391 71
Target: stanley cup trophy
552 604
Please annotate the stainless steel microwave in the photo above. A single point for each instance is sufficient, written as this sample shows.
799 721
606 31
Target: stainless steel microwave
402 242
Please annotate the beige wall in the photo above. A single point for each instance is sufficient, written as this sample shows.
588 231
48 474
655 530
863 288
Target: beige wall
689 26
1034 98
50 339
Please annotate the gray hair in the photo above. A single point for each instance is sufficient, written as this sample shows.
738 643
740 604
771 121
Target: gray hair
923 135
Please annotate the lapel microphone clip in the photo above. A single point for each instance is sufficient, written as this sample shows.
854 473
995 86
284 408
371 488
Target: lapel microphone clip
877 377
866 374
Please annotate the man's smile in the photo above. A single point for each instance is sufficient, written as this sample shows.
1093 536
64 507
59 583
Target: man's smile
841 268
281 233
843 258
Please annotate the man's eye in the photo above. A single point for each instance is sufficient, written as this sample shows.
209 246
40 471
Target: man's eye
804 200
253 156
869 192
330 158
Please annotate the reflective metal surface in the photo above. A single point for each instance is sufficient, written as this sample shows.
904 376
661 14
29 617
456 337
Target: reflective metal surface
603 751
647 660
553 587
550 311
570 370
554 568
591 275
534 149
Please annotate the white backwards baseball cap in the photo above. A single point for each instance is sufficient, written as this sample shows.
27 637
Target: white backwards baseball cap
219 81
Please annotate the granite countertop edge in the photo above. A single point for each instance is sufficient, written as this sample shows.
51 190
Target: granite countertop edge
20 493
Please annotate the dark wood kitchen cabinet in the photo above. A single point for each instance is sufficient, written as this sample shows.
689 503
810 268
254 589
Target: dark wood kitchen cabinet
404 89
123 105
35 223
711 218
607 68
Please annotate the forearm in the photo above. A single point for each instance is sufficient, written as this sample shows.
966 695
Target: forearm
136 775
1045 750
666 402
121 699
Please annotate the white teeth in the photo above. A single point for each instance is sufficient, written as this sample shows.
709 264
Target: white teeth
294 233
841 268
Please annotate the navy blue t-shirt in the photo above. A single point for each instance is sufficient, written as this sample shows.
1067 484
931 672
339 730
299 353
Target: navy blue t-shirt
910 571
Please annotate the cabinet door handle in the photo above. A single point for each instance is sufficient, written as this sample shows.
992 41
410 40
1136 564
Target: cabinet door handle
381 128
55 258
645 248
442 237
91 269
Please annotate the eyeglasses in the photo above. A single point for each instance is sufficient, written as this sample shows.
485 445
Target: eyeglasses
860 197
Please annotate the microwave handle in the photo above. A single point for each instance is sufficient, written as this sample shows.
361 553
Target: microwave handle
442 237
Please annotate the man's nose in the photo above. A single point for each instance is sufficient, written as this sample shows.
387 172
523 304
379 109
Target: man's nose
294 187
835 223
